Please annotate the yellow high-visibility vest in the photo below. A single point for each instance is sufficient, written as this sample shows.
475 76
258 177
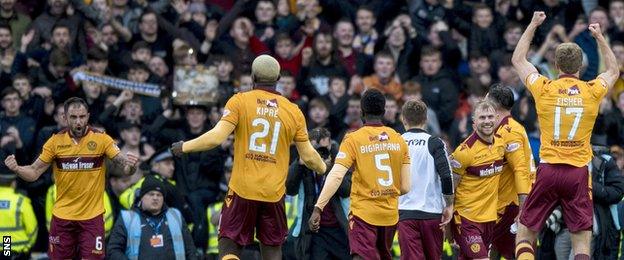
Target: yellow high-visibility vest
17 219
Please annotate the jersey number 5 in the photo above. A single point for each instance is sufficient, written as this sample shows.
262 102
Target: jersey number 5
383 168
262 148
578 113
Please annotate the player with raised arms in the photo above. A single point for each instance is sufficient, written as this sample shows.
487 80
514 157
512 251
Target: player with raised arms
566 108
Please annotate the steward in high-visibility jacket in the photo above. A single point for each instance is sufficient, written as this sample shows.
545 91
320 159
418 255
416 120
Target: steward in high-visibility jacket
108 207
17 218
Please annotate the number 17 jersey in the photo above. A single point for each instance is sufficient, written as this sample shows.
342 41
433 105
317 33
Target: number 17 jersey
266 125
566 108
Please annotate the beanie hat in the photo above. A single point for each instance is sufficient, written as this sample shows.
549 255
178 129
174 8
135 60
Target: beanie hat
149 184
265 70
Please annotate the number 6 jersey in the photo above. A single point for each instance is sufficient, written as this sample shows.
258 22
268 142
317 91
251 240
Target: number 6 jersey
376 153
566 108
266 125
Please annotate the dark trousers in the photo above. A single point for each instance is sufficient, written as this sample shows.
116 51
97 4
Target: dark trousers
330 243
199 201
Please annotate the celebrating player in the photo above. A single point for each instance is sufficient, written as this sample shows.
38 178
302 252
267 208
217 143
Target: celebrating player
429 204
381 173
567 108
265 124
79 171
515 180
477 163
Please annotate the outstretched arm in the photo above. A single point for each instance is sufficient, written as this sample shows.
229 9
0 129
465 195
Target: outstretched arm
519 58
310 157
207 141
28 173
612 73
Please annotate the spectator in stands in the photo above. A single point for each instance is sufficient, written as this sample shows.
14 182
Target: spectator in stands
287 87
92 93
366 37
16 128
425 13
318 113
480 74
352 60
352 120
484 31
158 67
318 66
151 229
265 14
17 21
131 141
400 40
384 77
158 40
440 37
97 61
512 34
413 91
141 52
391 116
615 121
438 90
589 46
34 101
338 99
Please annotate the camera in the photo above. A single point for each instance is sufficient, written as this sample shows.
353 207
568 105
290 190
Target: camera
323 152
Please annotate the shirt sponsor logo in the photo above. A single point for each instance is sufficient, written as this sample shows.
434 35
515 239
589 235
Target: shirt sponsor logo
574 90
416 142
512 147
63 146
79 163
486 170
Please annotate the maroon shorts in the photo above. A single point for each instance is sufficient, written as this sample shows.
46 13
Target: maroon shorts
560 184
504 241
240 217
473 238
420 239
370 241
82 239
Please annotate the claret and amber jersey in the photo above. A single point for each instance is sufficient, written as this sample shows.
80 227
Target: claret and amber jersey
519 167
479 164
376 154
266 124
79 172
566 108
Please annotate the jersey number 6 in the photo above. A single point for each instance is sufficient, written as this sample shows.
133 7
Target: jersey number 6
262 148
384 168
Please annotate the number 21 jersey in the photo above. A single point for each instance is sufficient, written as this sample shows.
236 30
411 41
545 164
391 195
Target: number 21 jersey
266 125
566 110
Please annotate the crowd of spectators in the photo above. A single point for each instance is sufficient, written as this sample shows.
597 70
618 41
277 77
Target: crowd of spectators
444 52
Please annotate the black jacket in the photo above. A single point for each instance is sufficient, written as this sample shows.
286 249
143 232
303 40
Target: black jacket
116 247
607 189
300 173
440 94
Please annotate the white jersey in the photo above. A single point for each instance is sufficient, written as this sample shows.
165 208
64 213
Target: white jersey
429 168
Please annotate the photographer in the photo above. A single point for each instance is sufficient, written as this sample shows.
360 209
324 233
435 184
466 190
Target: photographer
331 241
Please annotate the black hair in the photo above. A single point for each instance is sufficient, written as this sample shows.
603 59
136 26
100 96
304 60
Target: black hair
74 101
502 96
8 91
373 103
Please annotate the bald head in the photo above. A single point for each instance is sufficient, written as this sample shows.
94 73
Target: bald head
265 70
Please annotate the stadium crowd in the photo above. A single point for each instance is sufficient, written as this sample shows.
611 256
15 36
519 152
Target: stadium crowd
446 53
